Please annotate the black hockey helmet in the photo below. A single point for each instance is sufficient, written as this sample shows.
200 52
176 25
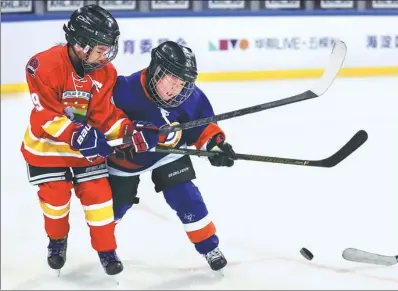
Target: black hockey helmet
92 25
170 62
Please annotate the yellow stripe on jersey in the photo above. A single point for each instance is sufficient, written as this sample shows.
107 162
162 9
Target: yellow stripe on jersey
47 147
114 131
57 126
99 214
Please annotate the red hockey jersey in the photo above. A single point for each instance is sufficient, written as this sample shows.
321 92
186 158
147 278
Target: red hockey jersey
61 99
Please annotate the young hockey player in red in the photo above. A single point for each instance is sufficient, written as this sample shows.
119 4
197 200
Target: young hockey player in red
65 144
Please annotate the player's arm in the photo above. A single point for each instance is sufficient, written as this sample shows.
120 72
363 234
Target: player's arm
113 121
210 137
49 113
120 94
116 124
199 136
48 110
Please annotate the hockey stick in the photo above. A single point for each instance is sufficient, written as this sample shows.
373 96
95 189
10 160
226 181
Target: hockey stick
352 145
359 256
335 62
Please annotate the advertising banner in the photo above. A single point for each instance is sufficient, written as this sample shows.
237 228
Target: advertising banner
226 4
330 4
61 5
223 44
169 5
16 6
386 4
282 4
118 5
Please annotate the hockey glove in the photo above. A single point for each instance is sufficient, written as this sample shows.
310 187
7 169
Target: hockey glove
228 156
145 137
90 142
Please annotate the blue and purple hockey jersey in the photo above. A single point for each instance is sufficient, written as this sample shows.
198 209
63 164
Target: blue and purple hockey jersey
131 96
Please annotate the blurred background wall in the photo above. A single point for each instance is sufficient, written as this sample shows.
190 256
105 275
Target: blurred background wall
233 40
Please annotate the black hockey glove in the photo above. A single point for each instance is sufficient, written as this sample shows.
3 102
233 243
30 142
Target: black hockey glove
224 159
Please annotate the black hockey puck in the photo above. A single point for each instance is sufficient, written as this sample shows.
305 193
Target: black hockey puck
306 254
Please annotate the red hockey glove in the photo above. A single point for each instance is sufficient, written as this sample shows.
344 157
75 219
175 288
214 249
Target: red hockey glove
145 137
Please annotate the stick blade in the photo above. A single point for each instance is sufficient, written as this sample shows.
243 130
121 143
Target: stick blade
359 256
351 146
336 61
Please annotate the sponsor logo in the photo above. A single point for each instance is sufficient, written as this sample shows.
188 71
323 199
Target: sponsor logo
229 44
32 66
178 172
142 46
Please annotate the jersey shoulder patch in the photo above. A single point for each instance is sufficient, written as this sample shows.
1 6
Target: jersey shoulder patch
32 66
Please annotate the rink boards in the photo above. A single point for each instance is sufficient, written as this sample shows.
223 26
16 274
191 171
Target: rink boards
239 48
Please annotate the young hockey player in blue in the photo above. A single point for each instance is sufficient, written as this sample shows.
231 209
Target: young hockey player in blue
165 94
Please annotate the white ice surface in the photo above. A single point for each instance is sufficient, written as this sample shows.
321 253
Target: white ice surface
264 213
